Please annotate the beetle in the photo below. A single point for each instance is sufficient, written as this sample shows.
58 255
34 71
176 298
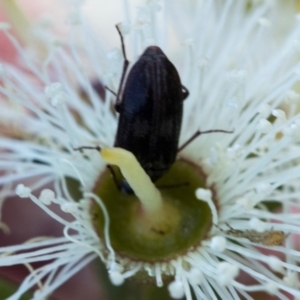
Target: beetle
151 107
151 111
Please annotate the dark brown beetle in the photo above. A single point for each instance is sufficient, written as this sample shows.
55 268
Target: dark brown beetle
150 106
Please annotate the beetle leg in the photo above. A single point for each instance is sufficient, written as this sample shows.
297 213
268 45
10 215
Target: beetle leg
125 66
114 176
87 147
106 87
229 226
197 133
221 229
185 92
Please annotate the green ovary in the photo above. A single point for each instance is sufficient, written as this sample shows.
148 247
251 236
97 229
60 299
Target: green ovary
133 235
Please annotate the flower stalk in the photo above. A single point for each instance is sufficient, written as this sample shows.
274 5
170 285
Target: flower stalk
153 215
140 182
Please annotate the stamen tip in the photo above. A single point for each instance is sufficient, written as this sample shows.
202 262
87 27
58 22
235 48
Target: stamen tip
23 191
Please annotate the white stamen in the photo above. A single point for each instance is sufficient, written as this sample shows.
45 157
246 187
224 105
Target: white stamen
37 295
47 196
53 89
293 96
279 113
85 203
196 276
116 278
290 130
69 208
23 191
106 224
291 279
271 288
275 264
5 228
245 203
213 156
176 289
206 196
264 126
264 110
116 267
159 281
226 273
124 27
258 225
58 99
115 55
263 188
218 243
234 152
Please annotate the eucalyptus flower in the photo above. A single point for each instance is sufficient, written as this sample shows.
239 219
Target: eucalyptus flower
228 208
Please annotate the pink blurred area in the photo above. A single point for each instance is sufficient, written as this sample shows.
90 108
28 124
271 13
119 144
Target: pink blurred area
26 221
7 51
34 10
101 16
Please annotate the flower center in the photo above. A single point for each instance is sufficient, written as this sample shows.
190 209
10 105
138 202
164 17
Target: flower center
132 232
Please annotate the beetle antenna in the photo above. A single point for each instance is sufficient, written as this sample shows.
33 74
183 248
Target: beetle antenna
107 88
114 176
197 133
87 147
125 66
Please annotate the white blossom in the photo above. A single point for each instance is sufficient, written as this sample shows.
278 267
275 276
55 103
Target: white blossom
241 76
